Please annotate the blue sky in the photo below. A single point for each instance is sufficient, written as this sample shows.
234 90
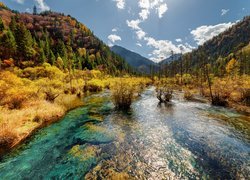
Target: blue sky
150 27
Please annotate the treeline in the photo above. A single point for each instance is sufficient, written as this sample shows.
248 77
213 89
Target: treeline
30 40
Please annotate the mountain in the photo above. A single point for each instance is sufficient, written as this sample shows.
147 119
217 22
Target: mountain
135 60
218 52
170 59
54 38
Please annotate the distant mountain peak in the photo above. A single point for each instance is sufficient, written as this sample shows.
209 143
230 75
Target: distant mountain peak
170 59
134 59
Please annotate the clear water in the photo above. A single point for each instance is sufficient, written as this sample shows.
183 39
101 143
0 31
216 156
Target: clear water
181 140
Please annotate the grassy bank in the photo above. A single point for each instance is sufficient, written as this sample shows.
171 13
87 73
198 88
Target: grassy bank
233 91
32 98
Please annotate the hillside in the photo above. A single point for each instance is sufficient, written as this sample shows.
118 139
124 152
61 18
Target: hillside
32 39
219 51
137 61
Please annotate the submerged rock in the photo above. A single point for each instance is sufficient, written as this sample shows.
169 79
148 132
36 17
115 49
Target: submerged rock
94 134
77 162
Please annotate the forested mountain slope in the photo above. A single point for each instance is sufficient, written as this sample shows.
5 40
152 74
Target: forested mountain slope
137 61
32 39
218 52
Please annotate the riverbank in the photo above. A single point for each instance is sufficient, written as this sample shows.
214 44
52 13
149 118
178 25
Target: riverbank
36 97
19 125
231 92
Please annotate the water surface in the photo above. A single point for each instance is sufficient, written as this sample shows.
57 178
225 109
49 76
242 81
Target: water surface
180 140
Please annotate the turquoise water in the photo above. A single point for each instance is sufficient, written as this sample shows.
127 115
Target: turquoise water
181 140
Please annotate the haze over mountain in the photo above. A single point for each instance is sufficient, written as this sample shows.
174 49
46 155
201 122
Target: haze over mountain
137 61
170 59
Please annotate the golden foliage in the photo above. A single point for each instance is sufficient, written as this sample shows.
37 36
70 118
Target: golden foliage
233 67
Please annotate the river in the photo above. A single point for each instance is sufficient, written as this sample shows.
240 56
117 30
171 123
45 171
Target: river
180 140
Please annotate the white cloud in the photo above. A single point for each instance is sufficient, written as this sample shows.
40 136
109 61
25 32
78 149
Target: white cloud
134 24
162 9
139 44
205 33
28 10
224 11
140 34
178 40
42 6
144 14
20 1
114 30
113 38
160 6
120 4
163 48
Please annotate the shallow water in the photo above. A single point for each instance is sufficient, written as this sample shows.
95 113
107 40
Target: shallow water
181 140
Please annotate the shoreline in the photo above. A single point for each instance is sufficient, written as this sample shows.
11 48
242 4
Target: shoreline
20 140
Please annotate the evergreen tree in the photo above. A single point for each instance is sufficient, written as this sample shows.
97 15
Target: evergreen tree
52 58
35 10
42 57
13 24
47 47
24 42
8 45
61 49
1 25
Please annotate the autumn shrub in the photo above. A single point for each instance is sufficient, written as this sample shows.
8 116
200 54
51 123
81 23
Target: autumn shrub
123 94
94 85
245 96
44 71
7 137
188 95
69 102
14 91
187 79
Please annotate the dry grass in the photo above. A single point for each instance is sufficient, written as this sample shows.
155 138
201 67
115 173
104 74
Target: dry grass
24 106
188 95
123 94
125 90
16 125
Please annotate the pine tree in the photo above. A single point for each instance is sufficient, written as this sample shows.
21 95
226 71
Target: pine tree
35 10
8 44
47 47
42 57
52 58
1 25
13 24
24 42
61 49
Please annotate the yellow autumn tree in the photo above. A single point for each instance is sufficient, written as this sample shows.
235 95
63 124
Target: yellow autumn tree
233 67
82 52
2 5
